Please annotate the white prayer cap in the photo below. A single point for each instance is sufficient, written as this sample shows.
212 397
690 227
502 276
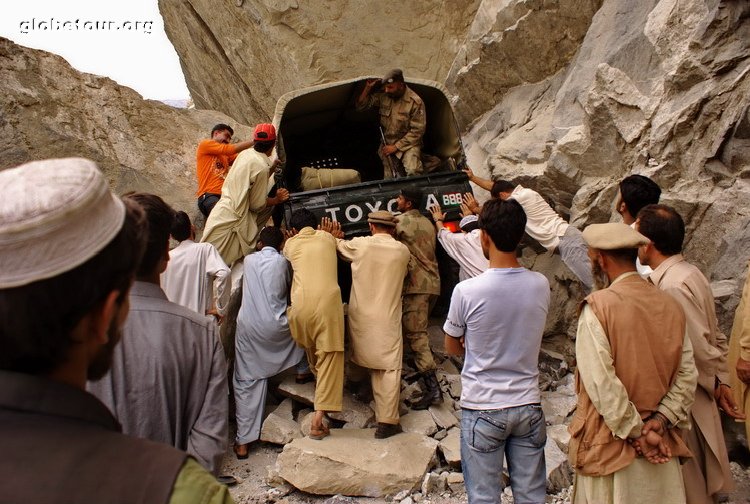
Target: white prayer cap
55 215
468 220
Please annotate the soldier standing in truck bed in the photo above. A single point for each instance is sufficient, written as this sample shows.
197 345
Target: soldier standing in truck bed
402 119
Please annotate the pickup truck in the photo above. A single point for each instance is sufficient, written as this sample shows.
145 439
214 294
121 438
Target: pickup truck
320 127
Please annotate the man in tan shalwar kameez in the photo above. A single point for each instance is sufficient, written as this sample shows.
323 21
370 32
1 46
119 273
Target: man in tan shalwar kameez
707 473
739 353
244 207
316 314
635 381
379 265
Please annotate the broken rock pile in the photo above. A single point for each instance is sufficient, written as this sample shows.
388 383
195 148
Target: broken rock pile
425 460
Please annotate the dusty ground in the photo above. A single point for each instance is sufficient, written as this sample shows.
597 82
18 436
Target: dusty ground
252 473
253 489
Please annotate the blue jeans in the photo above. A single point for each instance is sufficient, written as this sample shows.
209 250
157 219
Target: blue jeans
575 254
487 436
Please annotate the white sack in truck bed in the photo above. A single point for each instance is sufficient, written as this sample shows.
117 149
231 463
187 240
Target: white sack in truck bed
320 178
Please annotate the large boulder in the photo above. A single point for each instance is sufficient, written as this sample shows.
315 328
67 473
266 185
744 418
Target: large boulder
279 426
239 57
354 413
353 462
49 109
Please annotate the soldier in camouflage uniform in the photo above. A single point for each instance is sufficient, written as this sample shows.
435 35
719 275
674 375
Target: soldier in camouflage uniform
422 283
403 120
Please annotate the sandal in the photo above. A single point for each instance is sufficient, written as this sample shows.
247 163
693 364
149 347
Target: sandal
242 450
304 378
319 434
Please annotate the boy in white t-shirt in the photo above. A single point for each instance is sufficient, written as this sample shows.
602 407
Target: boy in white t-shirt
497 320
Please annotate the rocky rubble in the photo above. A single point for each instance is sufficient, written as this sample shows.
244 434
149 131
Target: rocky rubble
421 463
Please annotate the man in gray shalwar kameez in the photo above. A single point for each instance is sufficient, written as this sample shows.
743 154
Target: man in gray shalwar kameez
263 345
168 379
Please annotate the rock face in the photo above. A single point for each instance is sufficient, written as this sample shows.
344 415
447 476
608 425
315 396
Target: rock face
559 473
239 57
48 109
658 87
352 462
532 39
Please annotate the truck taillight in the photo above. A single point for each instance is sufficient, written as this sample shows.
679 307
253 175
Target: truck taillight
451 226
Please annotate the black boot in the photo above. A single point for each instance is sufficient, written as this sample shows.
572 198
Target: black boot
431 395
385 430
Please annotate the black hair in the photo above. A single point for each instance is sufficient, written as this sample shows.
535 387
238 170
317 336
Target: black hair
36 320
663 226
501 186
264 146
303 218
160 217
638 191
413 195
271 236
222 127
180 226
471 226
504 222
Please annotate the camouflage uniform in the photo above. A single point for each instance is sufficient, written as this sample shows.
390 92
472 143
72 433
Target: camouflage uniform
404 123
422 282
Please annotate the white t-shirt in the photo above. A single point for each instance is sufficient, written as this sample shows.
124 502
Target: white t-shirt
542 222
501 313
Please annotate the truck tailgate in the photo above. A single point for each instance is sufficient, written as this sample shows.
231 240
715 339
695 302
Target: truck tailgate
350 204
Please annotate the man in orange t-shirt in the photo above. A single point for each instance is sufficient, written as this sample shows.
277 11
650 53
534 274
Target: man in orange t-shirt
213 159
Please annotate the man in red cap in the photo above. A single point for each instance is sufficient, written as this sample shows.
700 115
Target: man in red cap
235 222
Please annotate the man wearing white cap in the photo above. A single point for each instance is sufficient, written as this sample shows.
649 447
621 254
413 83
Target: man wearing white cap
244 206
465 247
69 250
168 378
635 380
379 266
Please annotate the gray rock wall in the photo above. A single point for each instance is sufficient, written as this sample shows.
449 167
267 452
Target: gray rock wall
48 109
658 88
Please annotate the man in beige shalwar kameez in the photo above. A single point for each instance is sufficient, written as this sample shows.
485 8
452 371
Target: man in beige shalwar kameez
379 265
707 473
739 354
244 207
635 381
316 314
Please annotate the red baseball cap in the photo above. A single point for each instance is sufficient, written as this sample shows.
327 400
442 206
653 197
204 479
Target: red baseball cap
264 133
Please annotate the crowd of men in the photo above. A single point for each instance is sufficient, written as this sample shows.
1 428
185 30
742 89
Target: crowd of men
113 380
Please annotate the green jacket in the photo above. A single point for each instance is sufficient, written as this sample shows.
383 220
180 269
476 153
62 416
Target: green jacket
417 232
